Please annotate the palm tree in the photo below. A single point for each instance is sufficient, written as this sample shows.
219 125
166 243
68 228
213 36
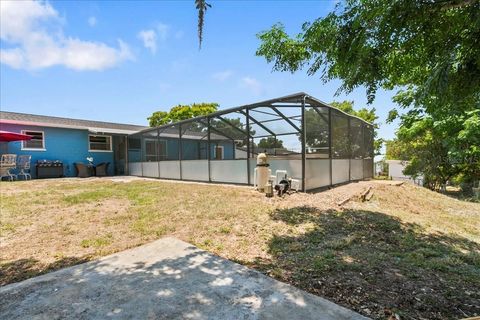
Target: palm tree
201 6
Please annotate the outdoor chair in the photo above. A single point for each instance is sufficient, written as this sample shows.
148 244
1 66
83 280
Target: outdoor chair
8 163
23 164
83 171
101 169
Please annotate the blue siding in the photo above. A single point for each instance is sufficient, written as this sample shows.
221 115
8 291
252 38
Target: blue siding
134 155
66 145
194 149
228 150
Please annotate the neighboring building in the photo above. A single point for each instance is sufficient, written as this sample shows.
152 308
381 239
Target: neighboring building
68 140
380 168
395 172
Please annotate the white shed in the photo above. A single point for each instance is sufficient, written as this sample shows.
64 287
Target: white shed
395 172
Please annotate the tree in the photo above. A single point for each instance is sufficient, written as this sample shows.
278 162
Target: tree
232 128
181 112
388 44
368 115
403 45
397 150
317 131
270 143
202 7
440 146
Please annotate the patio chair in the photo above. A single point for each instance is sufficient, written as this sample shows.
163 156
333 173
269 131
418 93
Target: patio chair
83 171
23 163
8 163
101 169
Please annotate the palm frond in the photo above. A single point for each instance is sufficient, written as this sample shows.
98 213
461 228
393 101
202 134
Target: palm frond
202 7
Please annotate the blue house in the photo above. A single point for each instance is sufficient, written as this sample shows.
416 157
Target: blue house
68 140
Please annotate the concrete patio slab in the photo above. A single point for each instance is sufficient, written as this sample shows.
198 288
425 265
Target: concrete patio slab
165 279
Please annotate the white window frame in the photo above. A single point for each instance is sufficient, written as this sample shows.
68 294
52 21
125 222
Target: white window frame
34 149
215 153
100 135
161 157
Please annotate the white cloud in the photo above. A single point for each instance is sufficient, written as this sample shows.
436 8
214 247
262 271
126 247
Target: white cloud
92 21
252 84
12 57
222 75
149 38
27 27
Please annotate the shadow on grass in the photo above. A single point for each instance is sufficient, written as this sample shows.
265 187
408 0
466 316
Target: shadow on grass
376 264
23 269
467 196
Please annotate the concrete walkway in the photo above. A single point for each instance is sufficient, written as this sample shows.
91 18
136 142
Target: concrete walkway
165 279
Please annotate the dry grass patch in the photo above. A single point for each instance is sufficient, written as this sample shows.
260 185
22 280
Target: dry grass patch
408 251
79 220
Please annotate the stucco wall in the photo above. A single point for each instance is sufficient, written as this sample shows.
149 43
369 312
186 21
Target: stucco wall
395 170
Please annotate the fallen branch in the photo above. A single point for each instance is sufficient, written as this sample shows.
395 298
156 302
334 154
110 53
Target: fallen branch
369 195
363 195
341 203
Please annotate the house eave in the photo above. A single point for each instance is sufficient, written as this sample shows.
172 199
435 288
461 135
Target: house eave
65 126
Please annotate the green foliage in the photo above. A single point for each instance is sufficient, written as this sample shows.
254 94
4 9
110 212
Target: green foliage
397 150
270 142
231 128
97 242
181 112
440 145
387 44
368 115
428 50
316 135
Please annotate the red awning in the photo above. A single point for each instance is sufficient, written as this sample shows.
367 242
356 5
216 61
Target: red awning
6 136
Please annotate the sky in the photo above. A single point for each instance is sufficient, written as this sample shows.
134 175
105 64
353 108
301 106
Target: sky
121 61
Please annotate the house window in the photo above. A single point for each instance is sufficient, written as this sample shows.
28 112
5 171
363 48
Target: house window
99 143
150 150
36 143
152 147
218 153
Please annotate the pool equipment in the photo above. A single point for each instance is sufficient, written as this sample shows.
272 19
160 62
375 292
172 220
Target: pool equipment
262 172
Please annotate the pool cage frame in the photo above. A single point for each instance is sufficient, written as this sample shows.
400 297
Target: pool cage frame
334 148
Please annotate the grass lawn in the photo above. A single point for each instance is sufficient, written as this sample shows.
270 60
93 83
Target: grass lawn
407 252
